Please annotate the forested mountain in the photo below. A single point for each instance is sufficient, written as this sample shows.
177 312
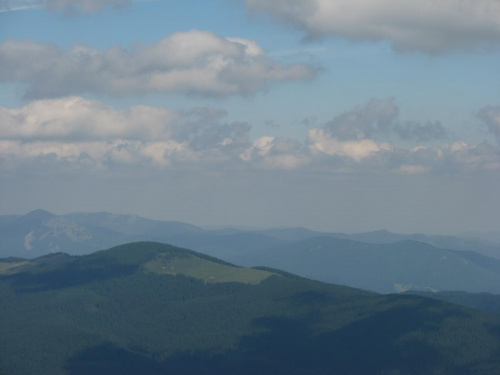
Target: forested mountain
481 301
384 268
149 308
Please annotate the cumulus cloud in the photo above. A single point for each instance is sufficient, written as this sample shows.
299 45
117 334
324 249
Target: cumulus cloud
204 128
75 118
192 62
276 153
423 25
491 117
381 117
366 138
322 142
364 121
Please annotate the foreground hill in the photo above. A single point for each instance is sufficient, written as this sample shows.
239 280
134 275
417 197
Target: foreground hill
149 308
384 268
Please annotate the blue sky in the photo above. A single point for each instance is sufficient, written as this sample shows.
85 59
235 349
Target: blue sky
335 116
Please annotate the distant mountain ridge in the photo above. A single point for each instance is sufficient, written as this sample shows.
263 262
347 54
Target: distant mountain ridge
384 268
470 243
40 232
102 230
132 225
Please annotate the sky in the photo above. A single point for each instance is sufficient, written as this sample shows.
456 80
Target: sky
331 115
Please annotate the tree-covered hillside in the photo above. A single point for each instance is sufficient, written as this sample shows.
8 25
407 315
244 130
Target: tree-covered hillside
149 308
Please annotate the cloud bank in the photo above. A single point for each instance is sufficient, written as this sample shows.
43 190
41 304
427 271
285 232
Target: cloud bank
81 133
381 117
421 25
193 62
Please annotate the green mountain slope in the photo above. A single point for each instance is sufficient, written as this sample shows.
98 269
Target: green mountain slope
120 312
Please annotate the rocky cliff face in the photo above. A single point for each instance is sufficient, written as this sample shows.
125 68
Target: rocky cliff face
55 229
40 232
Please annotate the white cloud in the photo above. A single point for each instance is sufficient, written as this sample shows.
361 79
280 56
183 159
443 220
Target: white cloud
353 141
276 153
261 146
77 133
425 25
75 118
192 62
98 154
321 141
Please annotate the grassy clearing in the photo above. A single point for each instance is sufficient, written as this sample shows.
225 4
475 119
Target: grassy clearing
205 270
7 268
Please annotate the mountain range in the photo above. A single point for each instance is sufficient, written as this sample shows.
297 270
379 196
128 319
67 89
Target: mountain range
149 308
378 261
